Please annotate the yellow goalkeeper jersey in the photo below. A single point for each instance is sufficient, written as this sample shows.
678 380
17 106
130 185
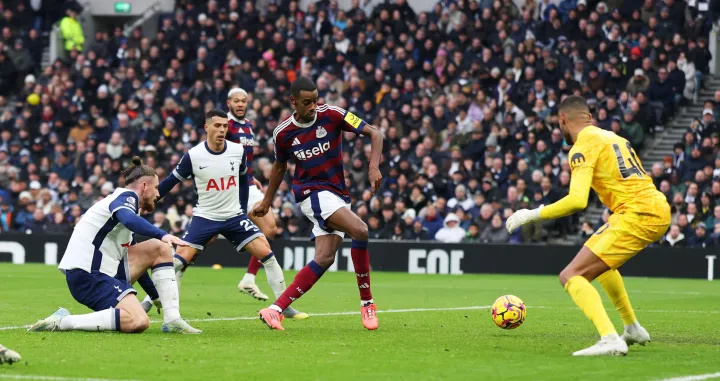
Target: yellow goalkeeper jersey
618 176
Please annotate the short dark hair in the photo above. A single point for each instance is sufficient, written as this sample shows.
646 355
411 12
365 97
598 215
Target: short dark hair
573 102
215 112
301 84
137 170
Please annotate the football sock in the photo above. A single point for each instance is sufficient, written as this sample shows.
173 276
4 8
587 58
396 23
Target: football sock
179 262
105 320
612 283
148 286
361 262
303 282
163 275
588 299
252 270
274 273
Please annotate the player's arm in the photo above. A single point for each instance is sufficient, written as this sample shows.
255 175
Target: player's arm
353 123
124 210
243 183
376 149
276 177
182 172
576 200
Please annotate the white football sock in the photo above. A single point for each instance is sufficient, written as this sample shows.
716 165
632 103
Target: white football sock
166 284
632 327
248 278
274 274
365 303
96 321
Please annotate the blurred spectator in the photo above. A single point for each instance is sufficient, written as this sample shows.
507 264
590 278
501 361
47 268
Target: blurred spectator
466 97
72 32
451 231
496 232
674 237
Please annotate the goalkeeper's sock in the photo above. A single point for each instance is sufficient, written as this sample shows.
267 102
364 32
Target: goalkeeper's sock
587 298
303 282
612 283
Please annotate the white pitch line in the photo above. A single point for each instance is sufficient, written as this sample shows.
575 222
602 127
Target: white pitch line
317 314
698 377
51 378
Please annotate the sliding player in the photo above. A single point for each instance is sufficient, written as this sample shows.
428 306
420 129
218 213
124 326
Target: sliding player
219 169
102 260
312 137
641 215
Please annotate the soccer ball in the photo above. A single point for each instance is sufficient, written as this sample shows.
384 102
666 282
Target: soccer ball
508 312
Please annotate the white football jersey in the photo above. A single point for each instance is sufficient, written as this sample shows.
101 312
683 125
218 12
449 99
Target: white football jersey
99 241
216 178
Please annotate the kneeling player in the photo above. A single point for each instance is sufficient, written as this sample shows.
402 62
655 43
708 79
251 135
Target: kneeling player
219 169
641 215
102 261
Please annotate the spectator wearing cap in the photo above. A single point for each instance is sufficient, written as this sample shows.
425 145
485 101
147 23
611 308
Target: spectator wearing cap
638 83
72 31
81 131
701 238
21 58
708 126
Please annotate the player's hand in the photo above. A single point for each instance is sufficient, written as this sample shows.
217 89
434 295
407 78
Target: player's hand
172 240
260 209
158 305
522 217
375 179
257 183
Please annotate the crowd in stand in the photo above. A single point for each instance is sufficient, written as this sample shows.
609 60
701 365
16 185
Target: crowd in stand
466 96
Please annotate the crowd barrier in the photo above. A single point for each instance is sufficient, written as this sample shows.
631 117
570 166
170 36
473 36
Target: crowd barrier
407 256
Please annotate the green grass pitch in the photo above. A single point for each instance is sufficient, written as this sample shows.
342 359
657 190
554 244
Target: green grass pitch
440 330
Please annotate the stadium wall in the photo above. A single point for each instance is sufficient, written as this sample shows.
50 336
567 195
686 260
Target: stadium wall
410 257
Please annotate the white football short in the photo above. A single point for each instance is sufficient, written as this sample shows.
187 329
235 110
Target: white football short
319 207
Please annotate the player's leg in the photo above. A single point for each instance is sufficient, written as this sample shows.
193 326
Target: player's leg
157 255
576 278
247 237
113 300
326 246
152 298
268 227
614 287
346 221
8 356
199 233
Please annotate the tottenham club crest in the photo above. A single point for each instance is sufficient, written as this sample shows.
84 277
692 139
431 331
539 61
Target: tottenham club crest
321 132
130 200
232 166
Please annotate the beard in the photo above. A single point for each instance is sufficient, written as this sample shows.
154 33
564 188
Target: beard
148 206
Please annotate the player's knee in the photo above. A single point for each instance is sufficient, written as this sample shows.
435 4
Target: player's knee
565 275
360 232
140 323
325 260
164 250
